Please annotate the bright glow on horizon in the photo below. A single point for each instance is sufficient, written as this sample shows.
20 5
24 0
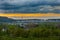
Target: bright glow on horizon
30 14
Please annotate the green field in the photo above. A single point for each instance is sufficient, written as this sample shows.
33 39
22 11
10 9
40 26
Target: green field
42 31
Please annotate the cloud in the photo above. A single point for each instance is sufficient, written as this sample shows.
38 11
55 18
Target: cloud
30 6
37 9
27 2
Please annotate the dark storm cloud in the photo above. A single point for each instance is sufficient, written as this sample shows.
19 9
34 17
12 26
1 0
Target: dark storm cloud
29 6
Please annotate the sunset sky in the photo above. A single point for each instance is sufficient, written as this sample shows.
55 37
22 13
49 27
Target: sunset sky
30 15
25 8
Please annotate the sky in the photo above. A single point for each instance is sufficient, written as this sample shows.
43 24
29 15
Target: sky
29 6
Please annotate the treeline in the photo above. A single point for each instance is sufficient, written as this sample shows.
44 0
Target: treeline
41 30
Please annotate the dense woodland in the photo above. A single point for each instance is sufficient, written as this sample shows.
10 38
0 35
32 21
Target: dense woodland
31 31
